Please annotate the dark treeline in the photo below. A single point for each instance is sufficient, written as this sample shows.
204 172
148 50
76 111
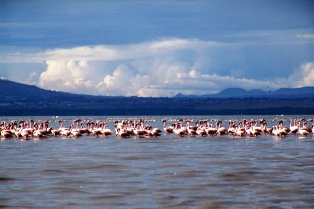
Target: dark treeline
21 99
154 106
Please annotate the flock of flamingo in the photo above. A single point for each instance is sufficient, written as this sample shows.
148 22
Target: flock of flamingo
31 129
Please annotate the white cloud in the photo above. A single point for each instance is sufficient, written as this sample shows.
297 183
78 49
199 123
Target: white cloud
163 79
161 68
303 76
33 78
123 81
146 69
109 52
308 74
306 36
67 76
158 68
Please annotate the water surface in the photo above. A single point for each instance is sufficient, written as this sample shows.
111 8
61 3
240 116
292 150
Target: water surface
164 172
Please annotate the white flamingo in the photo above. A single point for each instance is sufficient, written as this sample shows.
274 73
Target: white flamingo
167 129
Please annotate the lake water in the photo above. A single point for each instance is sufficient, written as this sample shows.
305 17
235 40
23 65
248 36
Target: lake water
163 172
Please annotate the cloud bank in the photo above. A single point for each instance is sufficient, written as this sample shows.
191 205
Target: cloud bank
157 68
304 76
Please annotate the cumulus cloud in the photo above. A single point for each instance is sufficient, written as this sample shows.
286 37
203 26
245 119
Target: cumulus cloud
307 72
160 68
157 68
123 81
67 76
303 76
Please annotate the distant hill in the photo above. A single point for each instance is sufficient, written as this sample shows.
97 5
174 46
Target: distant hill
11 88
290 93
22 99
237 92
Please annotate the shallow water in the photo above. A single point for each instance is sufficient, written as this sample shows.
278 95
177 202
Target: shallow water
164 172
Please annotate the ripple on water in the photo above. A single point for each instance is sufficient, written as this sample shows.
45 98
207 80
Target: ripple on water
56 171
169 172
6 179
239 175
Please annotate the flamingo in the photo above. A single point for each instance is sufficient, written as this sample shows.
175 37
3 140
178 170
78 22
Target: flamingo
256 130
239 131
303 130
6 133
167 129
120 130
232 127
277 131
179 130
24 132
211 130
74 132
122 133
64 131
130 126
152 132
293 128
39 132
192 130
221 130
105 131
284 128
265 129
95 129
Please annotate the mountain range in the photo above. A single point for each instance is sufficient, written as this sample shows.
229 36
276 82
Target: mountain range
23 99
11 88
303 92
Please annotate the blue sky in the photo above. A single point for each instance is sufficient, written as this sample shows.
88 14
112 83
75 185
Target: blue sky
157 48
